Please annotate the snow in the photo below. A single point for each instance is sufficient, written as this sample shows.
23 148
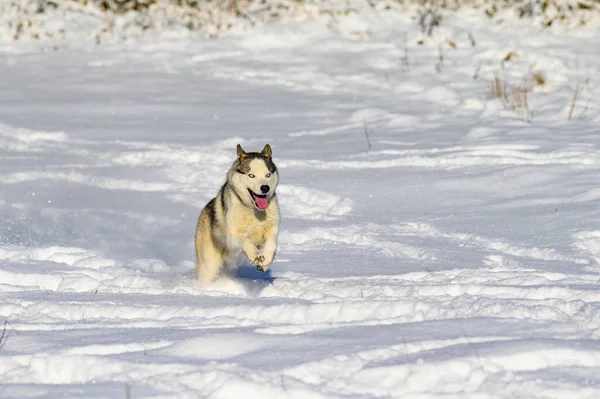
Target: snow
436 242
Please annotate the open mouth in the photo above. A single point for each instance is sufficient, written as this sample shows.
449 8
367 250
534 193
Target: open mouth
260 200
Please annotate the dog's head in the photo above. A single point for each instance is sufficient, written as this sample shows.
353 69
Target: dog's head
254 177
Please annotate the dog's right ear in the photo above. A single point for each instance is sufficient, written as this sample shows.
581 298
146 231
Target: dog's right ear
240 152
266 152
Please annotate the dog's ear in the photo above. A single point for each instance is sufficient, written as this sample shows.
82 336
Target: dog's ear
240 152
266 152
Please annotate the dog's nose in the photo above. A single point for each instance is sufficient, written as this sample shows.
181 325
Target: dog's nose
265 189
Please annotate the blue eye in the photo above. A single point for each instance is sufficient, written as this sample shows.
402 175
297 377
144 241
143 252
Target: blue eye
268 175
251 176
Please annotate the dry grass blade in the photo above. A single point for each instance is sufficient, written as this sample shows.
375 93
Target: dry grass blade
520 103
496 88
579 89
573 102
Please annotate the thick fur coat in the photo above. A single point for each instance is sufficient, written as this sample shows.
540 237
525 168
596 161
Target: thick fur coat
242 221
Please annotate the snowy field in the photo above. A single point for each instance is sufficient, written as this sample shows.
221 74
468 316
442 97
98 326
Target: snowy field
437 242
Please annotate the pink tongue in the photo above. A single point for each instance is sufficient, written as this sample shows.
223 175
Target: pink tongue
261 202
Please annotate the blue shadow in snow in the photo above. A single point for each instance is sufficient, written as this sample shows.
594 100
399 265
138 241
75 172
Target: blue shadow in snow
249 272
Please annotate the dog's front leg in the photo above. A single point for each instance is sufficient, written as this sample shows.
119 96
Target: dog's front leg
268 250
252 252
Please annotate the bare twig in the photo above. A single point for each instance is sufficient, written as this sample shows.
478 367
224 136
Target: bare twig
18 31
475 351
472 39
86 308
409 365
283 382
585 109
429 16
440 63
2 340
405 59
476 74
367 135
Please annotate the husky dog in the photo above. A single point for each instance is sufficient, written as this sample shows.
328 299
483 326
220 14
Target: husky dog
243 219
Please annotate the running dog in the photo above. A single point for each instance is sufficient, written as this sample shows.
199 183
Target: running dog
243 219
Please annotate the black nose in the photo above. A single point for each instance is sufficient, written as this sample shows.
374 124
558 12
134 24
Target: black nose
265 189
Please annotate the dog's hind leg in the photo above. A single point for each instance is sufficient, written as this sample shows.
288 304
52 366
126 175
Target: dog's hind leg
209 259
209 264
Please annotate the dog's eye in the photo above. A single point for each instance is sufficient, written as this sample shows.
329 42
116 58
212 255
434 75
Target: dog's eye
268 175
251 176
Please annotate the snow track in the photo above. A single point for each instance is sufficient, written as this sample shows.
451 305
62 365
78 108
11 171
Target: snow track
435 333
434 244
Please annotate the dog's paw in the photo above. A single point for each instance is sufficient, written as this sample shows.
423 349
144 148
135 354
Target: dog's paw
259 260
260 263
263 268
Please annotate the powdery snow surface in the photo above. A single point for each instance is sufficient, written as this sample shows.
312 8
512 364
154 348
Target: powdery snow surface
457 258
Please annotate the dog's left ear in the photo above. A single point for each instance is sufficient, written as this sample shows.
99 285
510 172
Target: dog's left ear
266 152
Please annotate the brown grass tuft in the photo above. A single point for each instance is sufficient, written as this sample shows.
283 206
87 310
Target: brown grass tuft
511 55
538 78
513 97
